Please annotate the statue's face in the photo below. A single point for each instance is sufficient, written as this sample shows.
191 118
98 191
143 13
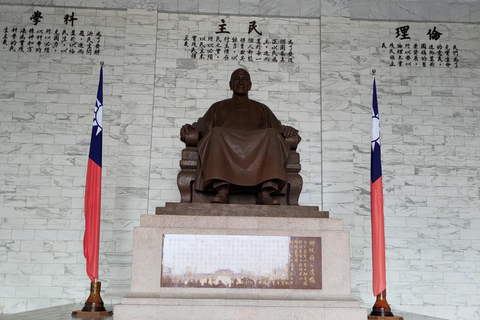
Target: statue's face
240 82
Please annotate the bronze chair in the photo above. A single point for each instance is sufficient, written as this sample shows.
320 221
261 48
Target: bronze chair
288 195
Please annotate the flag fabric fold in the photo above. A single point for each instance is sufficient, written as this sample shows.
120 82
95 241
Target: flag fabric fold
93 189
376 200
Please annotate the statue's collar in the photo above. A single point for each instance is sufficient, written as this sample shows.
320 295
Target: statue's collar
240 98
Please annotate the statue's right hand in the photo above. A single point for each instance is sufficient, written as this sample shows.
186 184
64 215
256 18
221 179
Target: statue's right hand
186 130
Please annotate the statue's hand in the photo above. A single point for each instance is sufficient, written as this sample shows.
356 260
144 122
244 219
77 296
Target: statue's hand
185 130
289 131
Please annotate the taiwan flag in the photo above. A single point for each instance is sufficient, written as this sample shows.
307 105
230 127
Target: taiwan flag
93 189
376 199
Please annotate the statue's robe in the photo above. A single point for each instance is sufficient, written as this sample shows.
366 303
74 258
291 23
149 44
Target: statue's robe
241 144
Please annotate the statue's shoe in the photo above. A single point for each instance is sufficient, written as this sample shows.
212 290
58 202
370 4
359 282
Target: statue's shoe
219 198
268 200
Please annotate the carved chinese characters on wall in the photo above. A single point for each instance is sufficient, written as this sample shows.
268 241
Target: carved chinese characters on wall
430 52
248 44
45 40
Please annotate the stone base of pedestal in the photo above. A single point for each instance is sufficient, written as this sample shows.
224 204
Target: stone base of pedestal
149 300
155 308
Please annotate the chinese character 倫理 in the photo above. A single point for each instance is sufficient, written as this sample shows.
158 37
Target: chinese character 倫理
434 34
403 31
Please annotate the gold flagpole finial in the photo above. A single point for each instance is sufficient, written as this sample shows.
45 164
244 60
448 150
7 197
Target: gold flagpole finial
101 63
373 71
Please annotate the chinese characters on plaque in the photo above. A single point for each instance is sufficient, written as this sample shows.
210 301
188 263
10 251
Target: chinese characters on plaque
423 54
303 273
229 261
226 46
51 40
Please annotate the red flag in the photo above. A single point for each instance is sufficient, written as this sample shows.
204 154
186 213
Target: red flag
376 199
93 189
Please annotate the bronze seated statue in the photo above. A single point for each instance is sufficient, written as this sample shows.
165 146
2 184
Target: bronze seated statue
239 152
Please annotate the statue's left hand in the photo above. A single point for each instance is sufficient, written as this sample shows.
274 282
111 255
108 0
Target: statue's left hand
185 130
289 131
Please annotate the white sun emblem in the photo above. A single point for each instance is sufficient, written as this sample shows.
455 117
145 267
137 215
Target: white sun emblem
97 118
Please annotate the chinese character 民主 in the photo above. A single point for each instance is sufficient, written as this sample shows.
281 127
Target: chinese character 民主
253 26
223 27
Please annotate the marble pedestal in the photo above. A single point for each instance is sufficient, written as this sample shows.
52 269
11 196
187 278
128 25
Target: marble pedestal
148 300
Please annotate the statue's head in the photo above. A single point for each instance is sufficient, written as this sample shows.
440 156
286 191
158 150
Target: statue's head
240 82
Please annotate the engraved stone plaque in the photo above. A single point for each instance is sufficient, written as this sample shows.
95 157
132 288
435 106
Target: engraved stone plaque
234 261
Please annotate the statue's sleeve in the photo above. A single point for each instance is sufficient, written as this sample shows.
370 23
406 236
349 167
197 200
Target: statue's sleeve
272 121
205 123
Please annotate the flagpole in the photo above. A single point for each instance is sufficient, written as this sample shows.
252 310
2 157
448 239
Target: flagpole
381 308
94 306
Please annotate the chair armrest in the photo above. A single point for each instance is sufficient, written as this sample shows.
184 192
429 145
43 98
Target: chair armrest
191 139
293 141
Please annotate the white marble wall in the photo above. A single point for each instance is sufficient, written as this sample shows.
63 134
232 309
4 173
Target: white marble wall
429 122
46 108
275 8
415 10
394 10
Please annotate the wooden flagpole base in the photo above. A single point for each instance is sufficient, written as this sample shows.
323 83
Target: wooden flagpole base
94 305
93 314
381 309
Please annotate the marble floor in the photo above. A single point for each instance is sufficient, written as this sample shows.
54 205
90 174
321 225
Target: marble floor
54 313
65 313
